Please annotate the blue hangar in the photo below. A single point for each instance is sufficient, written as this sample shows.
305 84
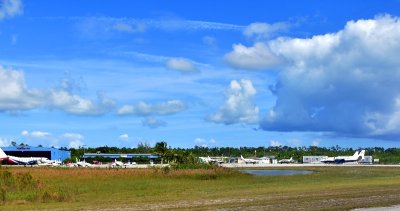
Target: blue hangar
29 151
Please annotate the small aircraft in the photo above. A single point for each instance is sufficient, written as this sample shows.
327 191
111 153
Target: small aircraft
117 163
21 160
211 160
82 163
249 160
346 159
215 160
290 160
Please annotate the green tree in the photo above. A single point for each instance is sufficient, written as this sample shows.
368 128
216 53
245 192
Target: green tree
161 149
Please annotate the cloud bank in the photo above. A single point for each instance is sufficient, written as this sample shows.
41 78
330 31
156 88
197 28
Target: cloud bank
345 82
15 95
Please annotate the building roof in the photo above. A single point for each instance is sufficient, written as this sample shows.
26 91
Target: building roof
30 148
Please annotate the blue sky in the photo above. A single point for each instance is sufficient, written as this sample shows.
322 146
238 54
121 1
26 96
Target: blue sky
207 73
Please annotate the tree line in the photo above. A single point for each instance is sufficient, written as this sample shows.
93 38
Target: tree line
190 155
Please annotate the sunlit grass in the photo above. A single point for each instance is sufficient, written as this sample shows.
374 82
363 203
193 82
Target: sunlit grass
78 188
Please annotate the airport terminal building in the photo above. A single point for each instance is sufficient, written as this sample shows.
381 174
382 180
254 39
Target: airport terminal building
29 151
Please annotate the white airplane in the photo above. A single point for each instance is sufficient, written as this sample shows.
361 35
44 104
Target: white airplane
214 160
21 160
48 162
82 163
290 160
346 159
211 160
248 160
117 163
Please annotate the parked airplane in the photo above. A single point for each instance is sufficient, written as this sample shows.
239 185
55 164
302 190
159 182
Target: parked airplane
21 160
82 163
211 160
286 160
117 163
346 159
249 160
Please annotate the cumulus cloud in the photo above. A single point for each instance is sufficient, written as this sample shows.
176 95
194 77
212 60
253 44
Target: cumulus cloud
145 109
40 138
181 65
75 104
257 57
239 106
204 142
345 82
10 8
5 142
75 140
316 142
153 123
275 143
15 95
124 137
264 30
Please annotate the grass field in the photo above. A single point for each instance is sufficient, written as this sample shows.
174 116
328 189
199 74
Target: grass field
328 188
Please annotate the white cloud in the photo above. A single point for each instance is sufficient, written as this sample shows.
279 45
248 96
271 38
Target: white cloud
75 140
5 142
345 82
124 137
40 138
153 123
275 143
10 8
181 65
264 30
95 27
238 107
15 96
144 109
75 104
316 142
36 134
257 57
204 142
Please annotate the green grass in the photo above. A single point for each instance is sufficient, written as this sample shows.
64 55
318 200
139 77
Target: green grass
328 188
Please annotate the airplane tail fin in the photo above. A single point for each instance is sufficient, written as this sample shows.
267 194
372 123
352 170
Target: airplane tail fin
361 155
355 154
241 156
2 154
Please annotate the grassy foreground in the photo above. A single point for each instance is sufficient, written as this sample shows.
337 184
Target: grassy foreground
328 188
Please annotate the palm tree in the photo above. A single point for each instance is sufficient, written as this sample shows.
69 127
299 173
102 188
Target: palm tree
161 149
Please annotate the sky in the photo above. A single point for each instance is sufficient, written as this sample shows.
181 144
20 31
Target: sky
92 73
